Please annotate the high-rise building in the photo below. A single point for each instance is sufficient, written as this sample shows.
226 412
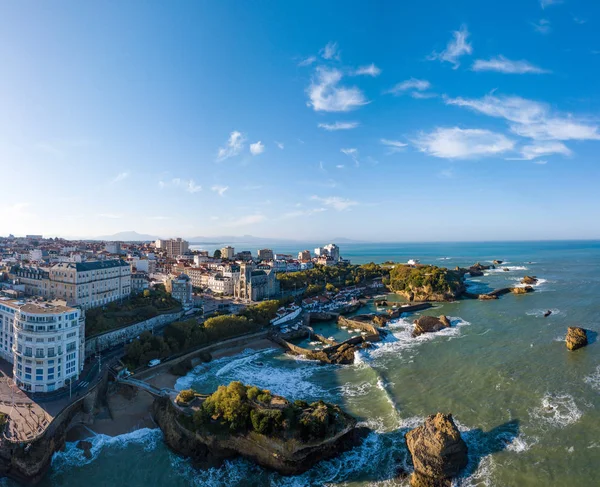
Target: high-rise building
265 254
227 252
304 256
176 246
45 342
333 251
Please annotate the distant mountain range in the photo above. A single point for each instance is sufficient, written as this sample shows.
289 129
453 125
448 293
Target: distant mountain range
132 236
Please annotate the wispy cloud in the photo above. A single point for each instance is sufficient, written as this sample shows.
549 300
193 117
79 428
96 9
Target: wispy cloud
393 145
529 118
219 189
120 177
540 162
300 213
501 64
352 153
542 26
370 70
457 143
330 51
246 220
335 202
547 3
541 149
325 93
457 47
188 185
280 145
112 216
307 61
257 148
339 126
234 146
411 84
579 20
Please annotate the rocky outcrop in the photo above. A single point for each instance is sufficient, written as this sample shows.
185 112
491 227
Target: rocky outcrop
498 262
86 447
343 354
576 338
487 297
430 324
529 280
522 290
438 451
286 456
547 313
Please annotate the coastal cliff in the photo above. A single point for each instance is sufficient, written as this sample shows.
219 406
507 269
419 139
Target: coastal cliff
282 449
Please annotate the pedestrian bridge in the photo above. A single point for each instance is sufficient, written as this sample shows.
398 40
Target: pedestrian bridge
140 384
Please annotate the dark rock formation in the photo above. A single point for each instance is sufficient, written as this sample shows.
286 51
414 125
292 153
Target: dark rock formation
344 354
576 338
381 302
498 262
506 269
85 446
430 324
438 451
547 313
529 280
486 297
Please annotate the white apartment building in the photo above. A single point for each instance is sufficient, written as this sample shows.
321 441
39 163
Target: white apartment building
44 340
219 284
333 251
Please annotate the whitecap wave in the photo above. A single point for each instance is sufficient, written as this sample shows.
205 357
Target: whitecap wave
74 457
557 410
594 379
540 312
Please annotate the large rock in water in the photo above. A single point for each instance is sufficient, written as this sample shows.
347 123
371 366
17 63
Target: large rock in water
85 446
438 451
430 324
576 338
522 290
530 280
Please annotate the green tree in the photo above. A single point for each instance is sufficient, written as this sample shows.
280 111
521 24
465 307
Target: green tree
217 254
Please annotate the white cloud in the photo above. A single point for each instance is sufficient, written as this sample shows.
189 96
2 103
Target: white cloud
409 85
219 189
280 145
457 143
421 95
547 3
530 118
579 20
246 220
120 177
299 213
540 162
234 146
338 126
350 152
340 166
533 151
370 70
188 184
330 51
504 65
112 216
335 202
308 61
458 46
326 95
257 148
543 26
393 145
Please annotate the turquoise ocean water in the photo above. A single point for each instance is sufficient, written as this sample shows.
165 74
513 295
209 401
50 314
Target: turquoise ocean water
529 409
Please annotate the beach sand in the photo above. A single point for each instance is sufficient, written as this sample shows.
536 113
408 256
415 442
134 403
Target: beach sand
128 409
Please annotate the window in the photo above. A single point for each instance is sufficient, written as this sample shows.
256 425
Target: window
28 370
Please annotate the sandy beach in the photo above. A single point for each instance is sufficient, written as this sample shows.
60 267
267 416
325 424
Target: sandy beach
129 409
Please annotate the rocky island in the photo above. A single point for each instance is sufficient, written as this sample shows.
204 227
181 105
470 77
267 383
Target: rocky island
426 283
239 420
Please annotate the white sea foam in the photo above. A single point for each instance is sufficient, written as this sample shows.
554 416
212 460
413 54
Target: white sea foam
594 379
355 390
557 410
511 268
289 377
540 312
539 282
73 456
401 337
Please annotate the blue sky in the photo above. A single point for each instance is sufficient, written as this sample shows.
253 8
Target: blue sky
384 121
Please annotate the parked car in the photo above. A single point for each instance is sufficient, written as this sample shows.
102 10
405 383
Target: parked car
154 362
